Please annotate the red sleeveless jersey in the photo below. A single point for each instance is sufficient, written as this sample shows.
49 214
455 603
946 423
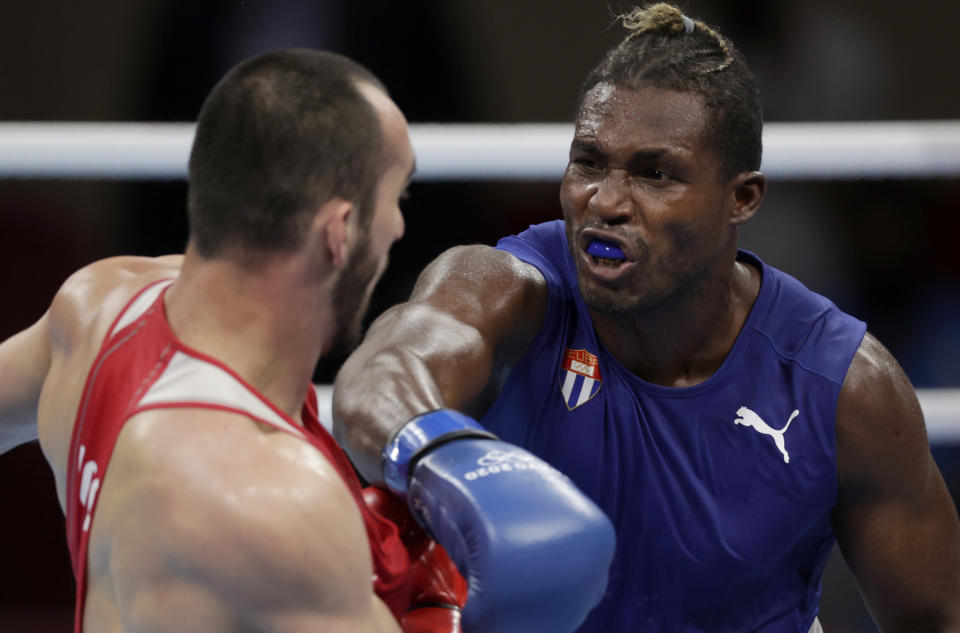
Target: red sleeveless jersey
142 366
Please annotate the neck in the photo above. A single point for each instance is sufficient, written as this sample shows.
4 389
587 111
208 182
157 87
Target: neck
270 326
684 341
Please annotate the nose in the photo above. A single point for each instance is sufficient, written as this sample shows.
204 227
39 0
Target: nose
612 202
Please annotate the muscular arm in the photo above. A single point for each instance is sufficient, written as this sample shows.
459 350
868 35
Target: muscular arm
895 522
24 362
210 525
471 309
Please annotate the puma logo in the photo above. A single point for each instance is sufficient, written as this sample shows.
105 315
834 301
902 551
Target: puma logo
749 418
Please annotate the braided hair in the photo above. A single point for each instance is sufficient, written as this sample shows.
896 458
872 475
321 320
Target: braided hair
666 49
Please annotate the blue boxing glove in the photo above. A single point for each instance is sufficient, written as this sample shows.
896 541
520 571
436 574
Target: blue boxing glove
533 548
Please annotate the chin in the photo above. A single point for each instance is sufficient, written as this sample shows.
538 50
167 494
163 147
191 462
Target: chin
351 298
623 301
610 304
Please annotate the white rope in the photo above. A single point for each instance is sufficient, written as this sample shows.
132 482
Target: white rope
109 151
157 151
941 409
153 151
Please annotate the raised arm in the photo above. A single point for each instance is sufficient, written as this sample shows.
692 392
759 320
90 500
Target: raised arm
472 310
398 406
24 363
895 522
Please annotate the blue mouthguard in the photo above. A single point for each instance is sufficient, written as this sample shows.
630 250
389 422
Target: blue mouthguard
599 248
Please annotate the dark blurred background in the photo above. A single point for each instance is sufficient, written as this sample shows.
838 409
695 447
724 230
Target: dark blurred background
884 250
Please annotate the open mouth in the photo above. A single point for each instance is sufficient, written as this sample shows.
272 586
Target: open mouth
606 257
604 261
606 253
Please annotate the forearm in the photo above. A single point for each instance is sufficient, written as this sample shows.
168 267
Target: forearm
413 360
372 399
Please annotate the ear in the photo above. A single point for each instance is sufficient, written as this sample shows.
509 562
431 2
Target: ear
332 224
749 188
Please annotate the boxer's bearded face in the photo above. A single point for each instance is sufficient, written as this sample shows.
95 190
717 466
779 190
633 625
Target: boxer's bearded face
368 260
643 199
351 297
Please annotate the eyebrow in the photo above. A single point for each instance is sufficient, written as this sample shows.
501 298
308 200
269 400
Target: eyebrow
649 154
586 146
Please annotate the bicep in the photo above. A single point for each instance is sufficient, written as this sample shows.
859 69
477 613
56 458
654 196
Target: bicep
24 363
895 522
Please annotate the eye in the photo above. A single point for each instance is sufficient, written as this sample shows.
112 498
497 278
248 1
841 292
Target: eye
587 163
404 195
655 174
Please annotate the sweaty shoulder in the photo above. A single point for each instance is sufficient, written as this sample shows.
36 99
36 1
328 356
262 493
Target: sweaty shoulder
209 512
95 294
880 432
879 420
79 317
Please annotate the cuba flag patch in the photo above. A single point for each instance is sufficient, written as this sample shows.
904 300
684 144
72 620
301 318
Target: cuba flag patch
580 379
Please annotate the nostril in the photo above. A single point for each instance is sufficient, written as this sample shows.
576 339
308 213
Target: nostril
610 201
617 220
612 211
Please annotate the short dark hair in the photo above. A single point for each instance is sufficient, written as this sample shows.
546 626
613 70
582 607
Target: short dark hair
279 135
665 49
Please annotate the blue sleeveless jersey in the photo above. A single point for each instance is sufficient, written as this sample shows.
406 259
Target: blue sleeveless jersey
721 492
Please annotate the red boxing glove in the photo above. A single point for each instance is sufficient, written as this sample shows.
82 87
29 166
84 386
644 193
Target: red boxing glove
431 620
439 592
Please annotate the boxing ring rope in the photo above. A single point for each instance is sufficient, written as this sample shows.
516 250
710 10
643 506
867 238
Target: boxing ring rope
532 152
158 151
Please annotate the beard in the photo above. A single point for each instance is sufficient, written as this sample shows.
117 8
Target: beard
351 297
